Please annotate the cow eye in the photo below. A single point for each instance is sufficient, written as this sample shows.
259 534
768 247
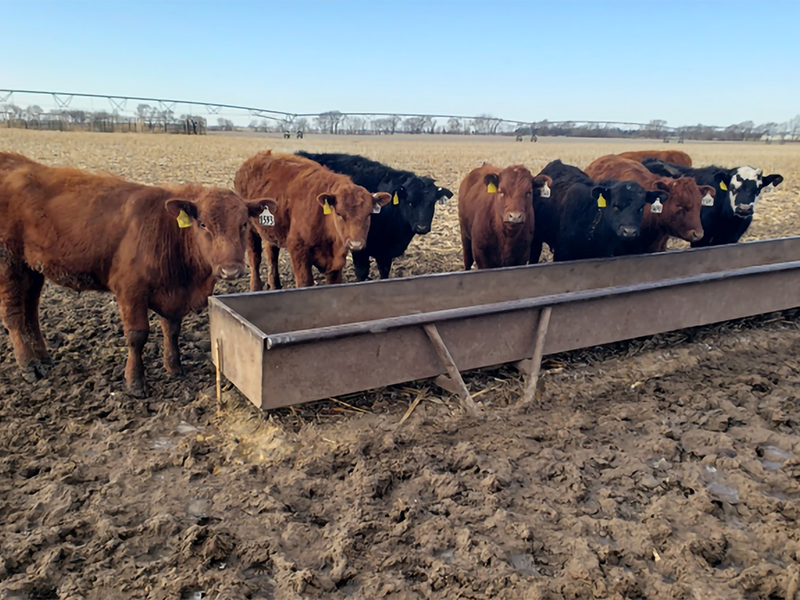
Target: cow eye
201 224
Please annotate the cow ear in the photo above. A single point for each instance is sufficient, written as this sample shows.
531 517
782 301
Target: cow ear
381 198
491 181
601 195
723 178
658 196
443 193
707 190
773 180
175 206
256 207
662 185
327 199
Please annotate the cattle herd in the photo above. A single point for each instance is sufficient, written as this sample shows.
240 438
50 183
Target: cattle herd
163 248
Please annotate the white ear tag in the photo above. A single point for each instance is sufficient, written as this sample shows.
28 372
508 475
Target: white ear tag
266 218
376 208
708 200
656 207
545 193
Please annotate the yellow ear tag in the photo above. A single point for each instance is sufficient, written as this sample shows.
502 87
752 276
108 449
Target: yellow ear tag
601 202
326 208
722 186
183 220
395 199
491 188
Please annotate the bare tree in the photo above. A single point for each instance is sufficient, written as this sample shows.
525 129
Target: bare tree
453 125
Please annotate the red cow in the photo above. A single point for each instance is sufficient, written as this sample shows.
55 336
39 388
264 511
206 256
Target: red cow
320 216
495 211
680 214
676 157
152 247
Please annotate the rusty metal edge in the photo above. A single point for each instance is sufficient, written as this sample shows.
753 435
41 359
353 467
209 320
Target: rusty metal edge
381 325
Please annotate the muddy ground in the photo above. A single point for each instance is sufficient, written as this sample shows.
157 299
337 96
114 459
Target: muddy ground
668 467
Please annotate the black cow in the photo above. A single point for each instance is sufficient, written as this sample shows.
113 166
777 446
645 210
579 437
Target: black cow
583 219
737 191
410 211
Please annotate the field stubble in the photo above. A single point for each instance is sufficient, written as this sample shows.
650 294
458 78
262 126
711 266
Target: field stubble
666 467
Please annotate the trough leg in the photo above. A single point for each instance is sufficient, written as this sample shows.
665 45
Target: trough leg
136 328
536 361
254 253
14 284
172 354
452 369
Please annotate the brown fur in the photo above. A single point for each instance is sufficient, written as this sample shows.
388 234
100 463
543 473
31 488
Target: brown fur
681 214
676 157
487 237
312 238
100 232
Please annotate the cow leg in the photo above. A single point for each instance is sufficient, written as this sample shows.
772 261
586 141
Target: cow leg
301 265
384 267
536 251
16 283
136 328
172 354
33 292
273 253
361 265
466 246
254 250
333 277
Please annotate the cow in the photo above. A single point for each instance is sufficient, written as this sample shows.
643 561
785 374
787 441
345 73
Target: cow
737 191
156 248
677 157
414 199
583 219
678 216
496 216
321 215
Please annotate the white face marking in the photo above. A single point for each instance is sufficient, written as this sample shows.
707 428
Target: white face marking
741 175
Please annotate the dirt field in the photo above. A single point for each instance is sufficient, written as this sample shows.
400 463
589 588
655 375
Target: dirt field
664 468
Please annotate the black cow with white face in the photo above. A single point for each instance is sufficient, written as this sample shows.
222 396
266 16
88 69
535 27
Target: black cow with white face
727 219
583 219
409 213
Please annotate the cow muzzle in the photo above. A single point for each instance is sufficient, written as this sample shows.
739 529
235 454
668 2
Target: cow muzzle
354 245
628 231
420 228
695 235
514 218
744 210
232 271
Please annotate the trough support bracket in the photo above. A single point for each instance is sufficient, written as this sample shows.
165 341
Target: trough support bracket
452 370
536 360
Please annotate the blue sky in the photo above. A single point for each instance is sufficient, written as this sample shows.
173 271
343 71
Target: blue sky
685 62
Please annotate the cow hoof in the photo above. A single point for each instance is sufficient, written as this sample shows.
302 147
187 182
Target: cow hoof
36 370
138 389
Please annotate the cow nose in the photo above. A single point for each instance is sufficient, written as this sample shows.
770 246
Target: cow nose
230 271
628 231
419 228
515 217
695 235
744 210
353 245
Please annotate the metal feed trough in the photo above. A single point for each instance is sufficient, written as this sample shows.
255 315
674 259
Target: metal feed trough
291 346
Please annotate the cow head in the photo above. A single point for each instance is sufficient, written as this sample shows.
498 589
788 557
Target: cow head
217 221
350 207
416 201
745 187
512 190
681 211
623 205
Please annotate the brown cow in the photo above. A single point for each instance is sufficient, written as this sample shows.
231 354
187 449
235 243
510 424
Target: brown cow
152 247
676 157
320 216
495 211
680 215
